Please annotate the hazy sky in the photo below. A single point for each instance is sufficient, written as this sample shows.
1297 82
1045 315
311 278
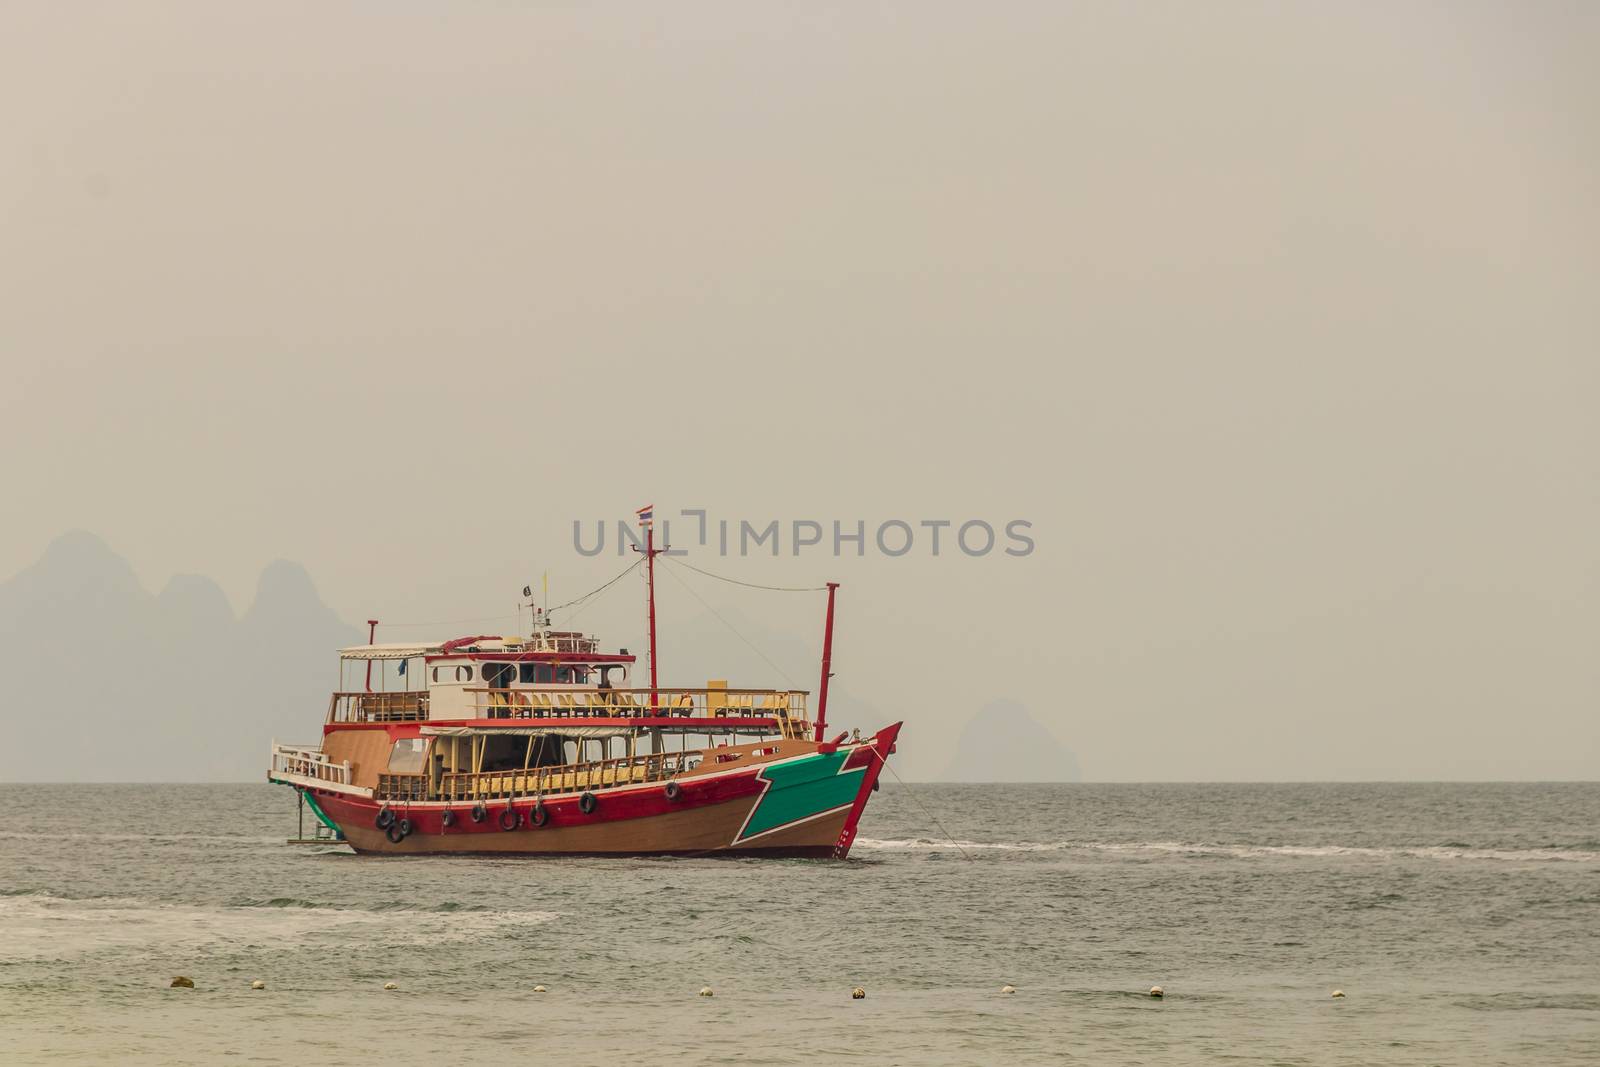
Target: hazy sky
1278 322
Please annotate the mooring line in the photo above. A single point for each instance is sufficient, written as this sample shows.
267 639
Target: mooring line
948 835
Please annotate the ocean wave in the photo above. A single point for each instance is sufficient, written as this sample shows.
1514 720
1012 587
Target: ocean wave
442 908
41 925
1453 851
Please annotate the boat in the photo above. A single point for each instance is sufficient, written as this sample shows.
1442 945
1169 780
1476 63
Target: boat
540 744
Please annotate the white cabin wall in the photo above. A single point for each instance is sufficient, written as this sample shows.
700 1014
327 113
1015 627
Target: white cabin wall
448 697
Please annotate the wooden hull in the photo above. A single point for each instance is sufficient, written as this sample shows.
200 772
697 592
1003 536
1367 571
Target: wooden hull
807 805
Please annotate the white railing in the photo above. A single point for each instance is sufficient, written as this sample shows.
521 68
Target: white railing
299 762
777 705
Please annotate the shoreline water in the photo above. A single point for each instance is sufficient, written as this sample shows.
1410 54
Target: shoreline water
1463 922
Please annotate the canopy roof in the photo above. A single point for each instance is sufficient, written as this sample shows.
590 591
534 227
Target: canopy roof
392 651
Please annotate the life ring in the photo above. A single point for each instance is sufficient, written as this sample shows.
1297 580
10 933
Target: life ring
539 815
449 818
509 818
385 818
392 832
404 826
479 812
587 803
674 790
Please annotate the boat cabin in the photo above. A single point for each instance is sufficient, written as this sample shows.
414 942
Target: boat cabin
494 715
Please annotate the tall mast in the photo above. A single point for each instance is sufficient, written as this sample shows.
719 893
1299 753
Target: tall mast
647 518
650 551
827 665
372 631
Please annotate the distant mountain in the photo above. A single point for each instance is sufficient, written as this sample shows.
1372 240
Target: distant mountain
1003 743
107 682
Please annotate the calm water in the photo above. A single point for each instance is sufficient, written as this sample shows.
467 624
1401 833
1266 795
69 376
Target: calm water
1463 922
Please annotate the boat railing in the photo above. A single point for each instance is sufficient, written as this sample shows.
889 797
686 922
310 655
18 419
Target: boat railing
303 762
566 778
785 708
411 706
401 787
538 781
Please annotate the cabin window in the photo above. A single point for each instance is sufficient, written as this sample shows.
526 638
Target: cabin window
406 756
569 675
436 674
497 675
529 673
463 674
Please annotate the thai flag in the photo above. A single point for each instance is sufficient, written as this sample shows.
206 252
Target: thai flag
646 513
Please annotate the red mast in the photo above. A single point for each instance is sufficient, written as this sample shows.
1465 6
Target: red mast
827 664
372 631
647 517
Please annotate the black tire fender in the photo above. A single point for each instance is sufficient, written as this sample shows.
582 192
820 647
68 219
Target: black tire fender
449 818
539 815
404 825
392 832
674 790
479 812
587 803
385 818
509 819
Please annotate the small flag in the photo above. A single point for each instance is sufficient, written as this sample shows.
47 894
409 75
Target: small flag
527 590
402 669
646 514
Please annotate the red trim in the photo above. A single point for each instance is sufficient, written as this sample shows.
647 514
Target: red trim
696 724
575 659
615 806
881 746
451 646
396 730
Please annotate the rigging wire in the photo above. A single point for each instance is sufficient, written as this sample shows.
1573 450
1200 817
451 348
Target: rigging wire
596 594
518 618
749 585
592 592
935 819
732 628
453 622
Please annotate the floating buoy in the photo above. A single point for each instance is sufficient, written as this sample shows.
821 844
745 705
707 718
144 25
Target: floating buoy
258 984
705 991
181 982
390 985
1338 994
1157 992
540 989
858 993
1008 989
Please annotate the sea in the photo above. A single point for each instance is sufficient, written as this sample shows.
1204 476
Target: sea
1461 922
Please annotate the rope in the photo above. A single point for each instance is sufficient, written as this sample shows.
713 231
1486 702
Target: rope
596 593
451 622
749 585
736 633
934 818
503 618
592 592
